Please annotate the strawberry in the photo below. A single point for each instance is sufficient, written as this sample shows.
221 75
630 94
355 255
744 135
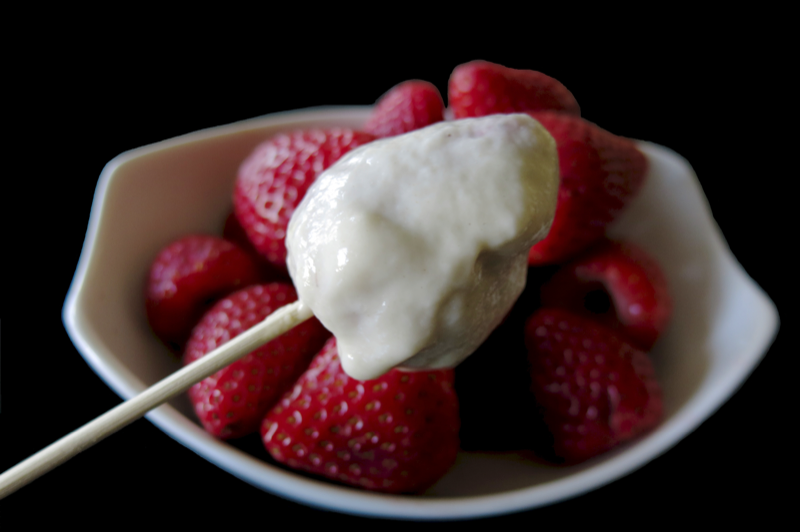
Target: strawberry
600 173
187 277
494 383
232 402
408 106
594 390
274 178
480 88
233 232
397 433
617 284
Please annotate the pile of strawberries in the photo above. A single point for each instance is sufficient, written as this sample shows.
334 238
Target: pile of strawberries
579 334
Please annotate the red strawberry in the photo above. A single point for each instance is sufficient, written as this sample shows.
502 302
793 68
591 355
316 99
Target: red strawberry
233 232
480 88
397 433
232 402
187 277
408 106
594 390
600 173
618 285
274 178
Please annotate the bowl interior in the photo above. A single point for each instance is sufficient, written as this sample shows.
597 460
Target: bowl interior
147 197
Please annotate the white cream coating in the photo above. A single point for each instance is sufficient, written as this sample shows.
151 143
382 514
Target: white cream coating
412 249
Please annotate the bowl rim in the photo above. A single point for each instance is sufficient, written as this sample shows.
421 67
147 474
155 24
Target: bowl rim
321 494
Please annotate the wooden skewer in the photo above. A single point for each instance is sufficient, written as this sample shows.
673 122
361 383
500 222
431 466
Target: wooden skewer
59 452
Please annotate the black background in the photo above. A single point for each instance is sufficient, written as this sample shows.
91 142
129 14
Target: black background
717 100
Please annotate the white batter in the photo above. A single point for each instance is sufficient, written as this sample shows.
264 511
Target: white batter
412 249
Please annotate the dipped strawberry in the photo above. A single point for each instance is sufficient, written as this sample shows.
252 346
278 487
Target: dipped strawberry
187 277
616 284
406 107
600 173
594 390
397 433
480 88
231 402
274 178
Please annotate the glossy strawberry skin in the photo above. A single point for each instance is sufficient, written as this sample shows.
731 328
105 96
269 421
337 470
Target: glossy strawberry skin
408 106
480 88
593 389
600 173
396 434
232 402
638 304
273 180
187 277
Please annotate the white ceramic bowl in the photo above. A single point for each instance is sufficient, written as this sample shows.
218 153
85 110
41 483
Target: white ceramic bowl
723 322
